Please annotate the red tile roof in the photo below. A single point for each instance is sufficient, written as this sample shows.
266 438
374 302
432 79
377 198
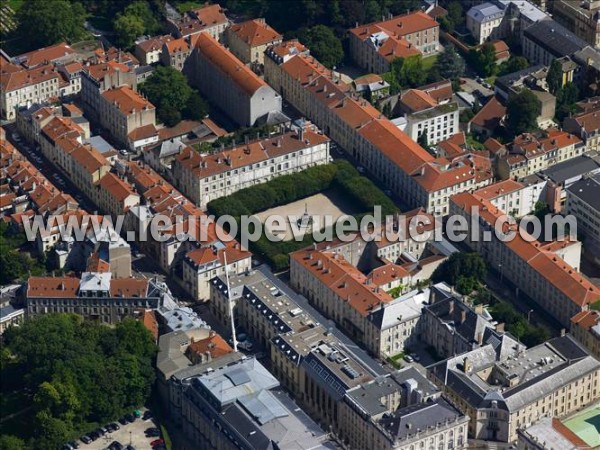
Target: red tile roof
228 64
127 100
46 55
255 32
400 25
490 115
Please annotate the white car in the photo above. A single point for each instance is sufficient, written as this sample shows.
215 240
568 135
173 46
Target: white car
246 346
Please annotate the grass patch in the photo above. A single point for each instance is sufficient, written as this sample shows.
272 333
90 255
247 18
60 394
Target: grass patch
428 62
394 361
339 176
15 5
189 5
166 437
595 306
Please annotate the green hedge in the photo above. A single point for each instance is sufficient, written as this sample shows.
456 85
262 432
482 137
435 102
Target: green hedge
339 175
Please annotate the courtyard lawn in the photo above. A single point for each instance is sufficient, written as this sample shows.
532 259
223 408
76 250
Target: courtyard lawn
428 62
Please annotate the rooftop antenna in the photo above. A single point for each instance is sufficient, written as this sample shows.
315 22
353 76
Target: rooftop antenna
229 302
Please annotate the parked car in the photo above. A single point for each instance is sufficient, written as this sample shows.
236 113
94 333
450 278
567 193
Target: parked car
130 418
152 432
408 358
115 445
85 439
123 420
157 442
246 346
94 435
147 415
74 444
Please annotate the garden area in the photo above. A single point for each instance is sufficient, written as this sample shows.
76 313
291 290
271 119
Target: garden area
338 178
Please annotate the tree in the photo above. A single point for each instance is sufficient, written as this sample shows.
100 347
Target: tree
566 97
405 73
47 22
128 27
323 44
196 108
523 110
465 271
486 60
9 442
554 77
456 13
168 90
423 139
143 11
450 64
514 64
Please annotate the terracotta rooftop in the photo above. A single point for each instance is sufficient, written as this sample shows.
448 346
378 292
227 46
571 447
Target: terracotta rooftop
400 25
89 158
498 189
551 267
46 55
145 132
52 287
255 32
99 71
129 287
586 319
14 80
287 49
97 264
246 154
228 64
117 188
213 344
490 115
177 46
127 100
416 100
153 44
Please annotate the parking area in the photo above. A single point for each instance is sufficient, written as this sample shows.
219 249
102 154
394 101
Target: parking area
131 434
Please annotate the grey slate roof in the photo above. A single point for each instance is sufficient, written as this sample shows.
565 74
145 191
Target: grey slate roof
588 190
555 38
580 165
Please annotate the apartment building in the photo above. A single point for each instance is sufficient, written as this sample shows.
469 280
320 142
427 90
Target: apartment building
483 21
249 40
583 202
96 296
585 327
504 387
529 154
115 196
100 77
412 173
546 40
226 81
586 125
426 118
452 327
533 268
207 177
149 50
209 19
175 53
241 405
374 46
516 198
278 54
579 17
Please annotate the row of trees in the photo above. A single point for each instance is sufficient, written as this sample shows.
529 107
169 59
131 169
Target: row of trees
15 261
169 91
465 271
80 373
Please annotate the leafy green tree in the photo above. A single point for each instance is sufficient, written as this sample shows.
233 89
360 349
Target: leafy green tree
450 64
566 97
196 108
456 13
143 11
323 44
47 22
128 27
168 90
554 78
10 442
514 64
487 60
522 110
465 271
405 73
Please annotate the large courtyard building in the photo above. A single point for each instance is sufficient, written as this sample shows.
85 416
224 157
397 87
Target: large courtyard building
207 177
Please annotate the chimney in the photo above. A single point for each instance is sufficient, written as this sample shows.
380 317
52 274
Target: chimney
451 307
463 316
467 366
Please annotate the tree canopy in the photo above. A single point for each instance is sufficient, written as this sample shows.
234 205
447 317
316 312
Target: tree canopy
406 73
566 97
47 22
465 271
135 20
523 110
554 77
514 64
450 64
174 99
79 372
484 60
323 44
